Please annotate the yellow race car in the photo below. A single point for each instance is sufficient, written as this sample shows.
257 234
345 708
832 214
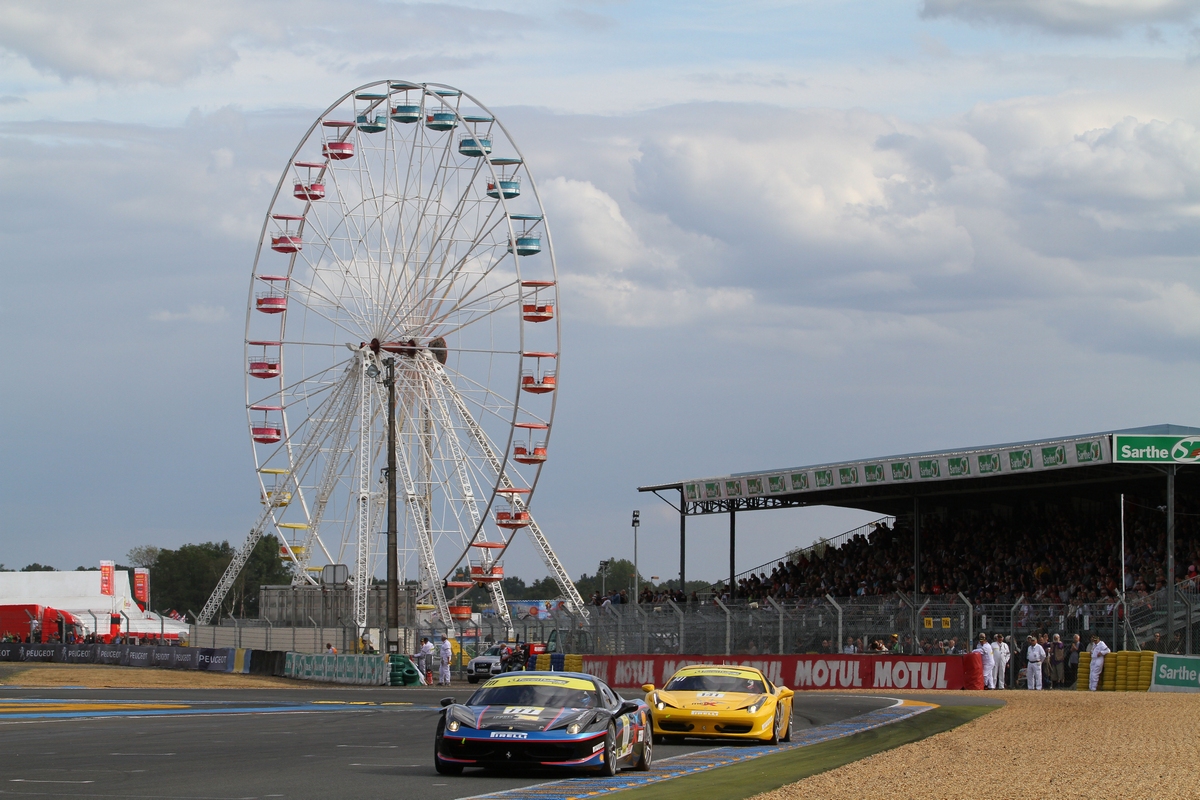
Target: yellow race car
724 702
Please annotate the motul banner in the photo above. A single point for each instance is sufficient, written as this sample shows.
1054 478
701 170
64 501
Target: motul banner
796 672
107 577
141 585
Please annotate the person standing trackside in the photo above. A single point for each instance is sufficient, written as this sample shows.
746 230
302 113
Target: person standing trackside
446 653
1035 654
1098 650
426 655
1001 653
989 662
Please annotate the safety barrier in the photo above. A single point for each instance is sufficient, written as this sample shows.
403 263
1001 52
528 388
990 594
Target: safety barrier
805 671
207 659
361 670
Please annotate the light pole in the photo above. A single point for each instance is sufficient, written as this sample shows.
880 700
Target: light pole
637 521
603 579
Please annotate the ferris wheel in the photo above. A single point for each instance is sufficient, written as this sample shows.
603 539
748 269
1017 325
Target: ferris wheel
406 240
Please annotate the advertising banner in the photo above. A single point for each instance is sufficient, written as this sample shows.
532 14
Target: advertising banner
1129 449
965 464
137 656
141 585
215 659
1175 674
107 577
37 652
534 609
10 651
799 672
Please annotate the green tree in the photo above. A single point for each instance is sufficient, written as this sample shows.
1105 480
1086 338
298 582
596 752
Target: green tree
183 579
36 567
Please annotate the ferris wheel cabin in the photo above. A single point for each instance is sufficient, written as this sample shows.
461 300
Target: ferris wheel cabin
538 380
533 310
274 300
265 365
338 149
266 431
441 120
311 188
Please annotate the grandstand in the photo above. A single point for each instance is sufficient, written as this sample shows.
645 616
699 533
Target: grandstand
1039 519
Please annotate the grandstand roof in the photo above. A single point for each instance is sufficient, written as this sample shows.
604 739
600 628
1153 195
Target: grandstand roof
888 484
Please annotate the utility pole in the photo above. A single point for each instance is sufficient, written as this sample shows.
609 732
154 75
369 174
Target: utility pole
636 523
393 577
603 579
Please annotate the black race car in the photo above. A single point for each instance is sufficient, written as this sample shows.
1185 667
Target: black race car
544 719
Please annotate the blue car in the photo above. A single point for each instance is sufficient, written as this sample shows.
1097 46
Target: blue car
544 719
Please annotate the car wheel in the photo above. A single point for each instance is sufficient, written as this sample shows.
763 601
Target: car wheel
775 727
472 679
644 763
787 732
443 767
609 768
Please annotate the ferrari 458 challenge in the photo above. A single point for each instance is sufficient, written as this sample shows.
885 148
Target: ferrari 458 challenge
721 702
544 719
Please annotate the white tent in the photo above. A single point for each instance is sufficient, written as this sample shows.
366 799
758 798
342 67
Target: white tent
79 593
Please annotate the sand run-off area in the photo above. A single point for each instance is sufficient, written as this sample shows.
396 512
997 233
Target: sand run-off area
97 676
1060 744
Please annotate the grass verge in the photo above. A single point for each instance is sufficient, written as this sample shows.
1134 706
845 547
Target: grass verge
770 772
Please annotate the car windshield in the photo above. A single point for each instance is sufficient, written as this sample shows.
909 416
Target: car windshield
534 695
715 683
492 651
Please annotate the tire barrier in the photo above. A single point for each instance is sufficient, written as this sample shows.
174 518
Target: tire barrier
359 670
401 671
205 659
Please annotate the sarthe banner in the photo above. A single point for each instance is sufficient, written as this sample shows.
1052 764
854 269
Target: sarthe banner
799 672
1175 674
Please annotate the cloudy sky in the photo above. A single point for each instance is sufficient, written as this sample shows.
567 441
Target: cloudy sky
787 232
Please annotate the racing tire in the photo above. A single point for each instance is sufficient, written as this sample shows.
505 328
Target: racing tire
647 760
787 734
609 768
443 767
775 728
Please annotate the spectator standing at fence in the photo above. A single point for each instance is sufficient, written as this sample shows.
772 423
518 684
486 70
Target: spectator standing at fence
1098 650
849 649
1058 662
1000 653
1073 650
446 653
989 663
1035 655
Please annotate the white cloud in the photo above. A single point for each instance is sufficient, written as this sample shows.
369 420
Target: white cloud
168 41
195 313
1087 17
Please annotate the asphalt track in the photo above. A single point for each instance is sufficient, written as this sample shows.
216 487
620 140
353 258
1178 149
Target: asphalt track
239 743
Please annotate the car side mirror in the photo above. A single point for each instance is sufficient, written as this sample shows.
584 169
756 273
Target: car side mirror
647 687
628 707
785 693
447 701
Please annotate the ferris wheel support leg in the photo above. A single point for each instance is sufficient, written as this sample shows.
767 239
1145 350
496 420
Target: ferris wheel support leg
430 578
337 408
565 585
468 496
235 567
363 502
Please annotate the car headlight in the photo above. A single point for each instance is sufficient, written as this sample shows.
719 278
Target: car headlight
753 709
574 728
453 725
660 705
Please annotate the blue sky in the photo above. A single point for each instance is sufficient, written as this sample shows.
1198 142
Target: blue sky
787 233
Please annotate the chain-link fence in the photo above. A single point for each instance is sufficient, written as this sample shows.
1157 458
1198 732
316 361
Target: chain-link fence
936 625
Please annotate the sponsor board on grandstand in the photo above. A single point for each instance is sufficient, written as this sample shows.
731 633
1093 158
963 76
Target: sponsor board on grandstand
1175 674
1128 449
970 464
799 672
